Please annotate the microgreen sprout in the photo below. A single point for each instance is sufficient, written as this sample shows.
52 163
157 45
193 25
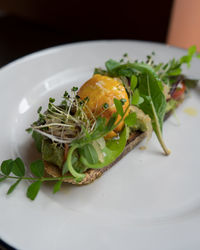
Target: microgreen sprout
105 106
64 123
123 100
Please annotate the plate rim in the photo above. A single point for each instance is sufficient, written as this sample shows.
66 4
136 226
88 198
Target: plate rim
53 49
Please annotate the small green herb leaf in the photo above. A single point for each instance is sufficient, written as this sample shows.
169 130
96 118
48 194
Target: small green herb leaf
74 89
13 186
37 168
192 50
18 167
135 97
57 186
111 64
175 72
29 130
51 100
39 109
38 140
33 190
133 82
6 166
131 119
111 122
119 107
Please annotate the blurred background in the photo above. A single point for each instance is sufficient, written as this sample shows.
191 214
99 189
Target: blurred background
31 25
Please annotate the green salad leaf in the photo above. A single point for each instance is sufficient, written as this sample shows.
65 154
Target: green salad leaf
113 149
150 89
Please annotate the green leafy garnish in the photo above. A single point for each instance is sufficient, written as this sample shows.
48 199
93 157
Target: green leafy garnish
33 190
6 166
13 186
134 82
16 167
119 107
131 119
88 151
148 96
111 151
37 168
38 140
57 186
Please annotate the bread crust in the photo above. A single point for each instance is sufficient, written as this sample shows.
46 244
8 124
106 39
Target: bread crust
92 174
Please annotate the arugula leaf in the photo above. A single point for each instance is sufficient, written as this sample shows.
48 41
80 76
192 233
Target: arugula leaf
18 167
33 190
150 88
37 168
6 166
13 186
151 107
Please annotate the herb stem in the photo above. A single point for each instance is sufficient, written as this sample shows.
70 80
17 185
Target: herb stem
35 178
158 129
159 133
74 173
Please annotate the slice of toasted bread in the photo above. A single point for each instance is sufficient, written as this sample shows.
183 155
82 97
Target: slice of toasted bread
92 174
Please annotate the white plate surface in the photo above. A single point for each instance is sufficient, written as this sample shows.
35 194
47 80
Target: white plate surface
147 201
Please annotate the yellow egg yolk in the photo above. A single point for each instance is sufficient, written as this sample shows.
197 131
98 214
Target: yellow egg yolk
102 90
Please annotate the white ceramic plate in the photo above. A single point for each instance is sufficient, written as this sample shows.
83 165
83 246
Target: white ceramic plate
147 201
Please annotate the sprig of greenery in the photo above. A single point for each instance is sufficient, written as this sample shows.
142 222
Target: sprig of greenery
15 170
145 84
167 72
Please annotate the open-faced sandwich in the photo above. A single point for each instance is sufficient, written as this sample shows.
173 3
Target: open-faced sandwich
96 125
